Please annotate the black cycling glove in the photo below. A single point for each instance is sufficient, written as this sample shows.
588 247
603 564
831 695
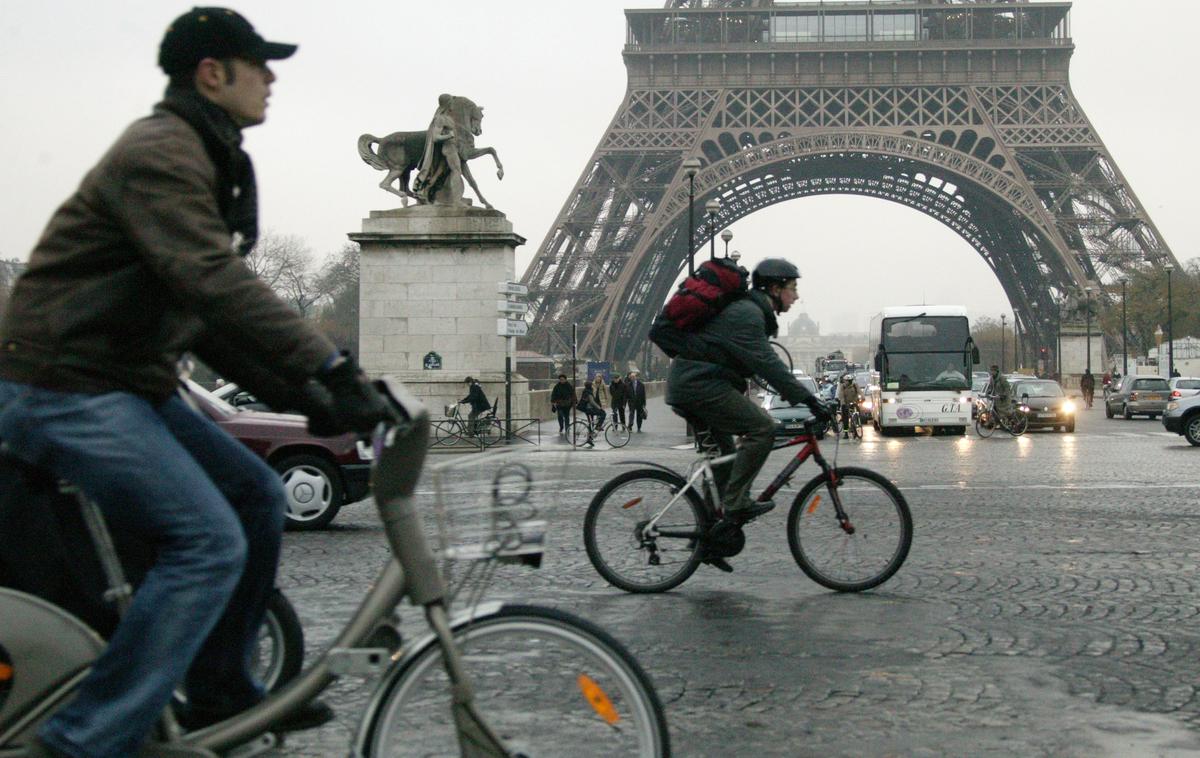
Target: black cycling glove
356 405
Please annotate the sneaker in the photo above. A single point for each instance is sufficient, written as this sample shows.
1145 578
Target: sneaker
751 511
719 563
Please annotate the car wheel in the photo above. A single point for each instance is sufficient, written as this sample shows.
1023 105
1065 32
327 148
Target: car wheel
1108 411
1191 429
1069 428
1125 412
313 488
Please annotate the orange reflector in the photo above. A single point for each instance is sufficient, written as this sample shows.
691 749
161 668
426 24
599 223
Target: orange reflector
6 672
632 503
815 502
597 699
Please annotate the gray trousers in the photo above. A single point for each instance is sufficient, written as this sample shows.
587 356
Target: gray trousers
726 415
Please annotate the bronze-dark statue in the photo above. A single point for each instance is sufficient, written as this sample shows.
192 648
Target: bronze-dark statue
440 155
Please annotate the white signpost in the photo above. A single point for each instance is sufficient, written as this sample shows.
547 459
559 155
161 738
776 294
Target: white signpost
510 327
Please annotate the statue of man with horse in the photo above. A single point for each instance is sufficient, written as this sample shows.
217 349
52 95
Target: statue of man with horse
440 154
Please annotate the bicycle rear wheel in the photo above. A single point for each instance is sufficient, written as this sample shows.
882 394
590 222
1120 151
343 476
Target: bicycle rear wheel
616 545
866 552
616 435
546 682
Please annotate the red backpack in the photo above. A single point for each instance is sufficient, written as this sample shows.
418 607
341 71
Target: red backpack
716 284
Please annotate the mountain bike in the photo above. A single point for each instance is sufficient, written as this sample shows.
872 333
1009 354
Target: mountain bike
649 529
583 432
495 680
988 419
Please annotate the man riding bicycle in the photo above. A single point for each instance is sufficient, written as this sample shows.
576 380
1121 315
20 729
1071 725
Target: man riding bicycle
708 383
139 266
999 388
847 397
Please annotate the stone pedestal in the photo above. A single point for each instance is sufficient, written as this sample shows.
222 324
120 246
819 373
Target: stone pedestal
1075 350
427 284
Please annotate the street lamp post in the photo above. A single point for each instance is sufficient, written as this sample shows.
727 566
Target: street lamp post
1124 332
712 208
726 235
690 167
1003 327
1058 313
1158 335
1088 290
1170 327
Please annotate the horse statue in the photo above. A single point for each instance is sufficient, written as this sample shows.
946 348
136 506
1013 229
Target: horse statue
440 154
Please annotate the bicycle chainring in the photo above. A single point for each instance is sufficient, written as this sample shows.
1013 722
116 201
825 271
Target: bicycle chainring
725 539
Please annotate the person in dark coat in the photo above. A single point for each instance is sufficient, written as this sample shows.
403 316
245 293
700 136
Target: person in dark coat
477 400
616 391
140 265
635 397
1087 385
562 400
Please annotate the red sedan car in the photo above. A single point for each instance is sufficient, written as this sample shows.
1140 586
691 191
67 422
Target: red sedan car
320 474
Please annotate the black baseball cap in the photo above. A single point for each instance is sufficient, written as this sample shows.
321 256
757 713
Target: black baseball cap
214 33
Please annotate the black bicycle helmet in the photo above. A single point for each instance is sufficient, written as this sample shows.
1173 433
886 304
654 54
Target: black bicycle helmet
774 271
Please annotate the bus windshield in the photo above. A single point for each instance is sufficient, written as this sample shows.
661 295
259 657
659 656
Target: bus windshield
926 353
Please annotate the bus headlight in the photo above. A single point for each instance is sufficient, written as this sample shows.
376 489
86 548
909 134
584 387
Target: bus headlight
1068 407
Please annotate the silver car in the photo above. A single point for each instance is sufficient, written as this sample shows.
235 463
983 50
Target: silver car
1183 417
1138 395
1184 386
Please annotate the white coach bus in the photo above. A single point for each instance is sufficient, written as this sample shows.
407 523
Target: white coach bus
924 355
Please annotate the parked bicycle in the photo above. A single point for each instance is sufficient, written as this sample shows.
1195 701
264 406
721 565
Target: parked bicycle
648 530
583 432
484 430
988 418
498 680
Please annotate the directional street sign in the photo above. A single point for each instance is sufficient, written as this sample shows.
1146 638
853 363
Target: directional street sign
512 288
507 306
509 328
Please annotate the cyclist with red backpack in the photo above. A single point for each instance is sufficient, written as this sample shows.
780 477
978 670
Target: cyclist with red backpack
707 381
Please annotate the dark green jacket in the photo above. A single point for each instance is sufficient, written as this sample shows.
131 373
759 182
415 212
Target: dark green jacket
736 345
135 269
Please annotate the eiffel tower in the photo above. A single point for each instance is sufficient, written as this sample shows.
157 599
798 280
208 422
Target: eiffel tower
961 110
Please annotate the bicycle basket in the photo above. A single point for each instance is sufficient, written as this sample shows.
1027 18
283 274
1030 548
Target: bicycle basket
490 510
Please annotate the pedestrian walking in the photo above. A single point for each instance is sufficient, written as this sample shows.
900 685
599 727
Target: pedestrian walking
562 400
616 391
635 397
1087 385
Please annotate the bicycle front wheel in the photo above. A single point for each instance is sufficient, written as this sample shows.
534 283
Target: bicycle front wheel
865 551
615 537
856 429
1017 424
547 682
616 435
985 424
579 433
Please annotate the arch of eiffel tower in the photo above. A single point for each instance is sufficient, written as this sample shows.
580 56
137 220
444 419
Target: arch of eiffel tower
960 110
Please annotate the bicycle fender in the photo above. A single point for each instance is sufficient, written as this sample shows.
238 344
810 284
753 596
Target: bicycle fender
651 464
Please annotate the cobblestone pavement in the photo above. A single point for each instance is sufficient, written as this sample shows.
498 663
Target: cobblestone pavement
1048 606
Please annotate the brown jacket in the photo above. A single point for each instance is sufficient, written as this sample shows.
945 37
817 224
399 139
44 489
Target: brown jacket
135 269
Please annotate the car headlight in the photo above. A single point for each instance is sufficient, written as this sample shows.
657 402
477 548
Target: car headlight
1068 407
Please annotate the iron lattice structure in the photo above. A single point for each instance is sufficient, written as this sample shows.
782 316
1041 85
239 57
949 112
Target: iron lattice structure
960 110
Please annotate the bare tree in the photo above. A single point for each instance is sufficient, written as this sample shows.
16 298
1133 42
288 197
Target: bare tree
284 263
338 316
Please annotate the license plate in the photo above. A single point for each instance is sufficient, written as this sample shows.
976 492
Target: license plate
1046 415
793 426
1154 397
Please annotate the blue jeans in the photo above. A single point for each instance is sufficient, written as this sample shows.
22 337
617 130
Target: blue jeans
215 512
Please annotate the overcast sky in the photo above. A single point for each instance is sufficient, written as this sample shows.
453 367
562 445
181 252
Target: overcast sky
550 76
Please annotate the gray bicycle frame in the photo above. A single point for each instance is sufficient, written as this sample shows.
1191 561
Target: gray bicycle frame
412 572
